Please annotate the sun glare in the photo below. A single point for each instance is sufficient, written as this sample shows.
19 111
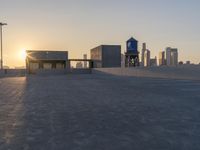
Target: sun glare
23 54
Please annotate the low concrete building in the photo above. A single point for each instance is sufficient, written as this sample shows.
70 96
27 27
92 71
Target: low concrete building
46 60
106 56
174 57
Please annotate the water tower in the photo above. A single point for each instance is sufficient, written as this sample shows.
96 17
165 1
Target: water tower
132 54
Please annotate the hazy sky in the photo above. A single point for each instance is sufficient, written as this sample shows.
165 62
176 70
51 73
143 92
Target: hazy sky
79 25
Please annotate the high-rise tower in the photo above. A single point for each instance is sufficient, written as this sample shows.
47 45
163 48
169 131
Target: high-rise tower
147 55
161 58
171 56
143 53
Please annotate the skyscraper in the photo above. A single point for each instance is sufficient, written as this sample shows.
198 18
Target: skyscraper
143 52
161 58
174 57
171 56
168 56
147 58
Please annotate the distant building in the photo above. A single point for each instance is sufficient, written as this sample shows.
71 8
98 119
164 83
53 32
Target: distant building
132 53
171 56
106 56
79 65
180 63
188 62
122 60
168 56
46 60
6 67
143 53
153 62
174 57
85 63
20 67
147 55
161 58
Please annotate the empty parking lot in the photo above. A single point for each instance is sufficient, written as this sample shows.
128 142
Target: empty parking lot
98 112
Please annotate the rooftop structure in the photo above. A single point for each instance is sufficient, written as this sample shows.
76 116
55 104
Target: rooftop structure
46 60
132 54
106 56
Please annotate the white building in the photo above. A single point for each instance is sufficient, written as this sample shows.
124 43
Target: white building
144 48
147 58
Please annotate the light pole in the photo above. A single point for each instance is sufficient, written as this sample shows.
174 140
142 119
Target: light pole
2 24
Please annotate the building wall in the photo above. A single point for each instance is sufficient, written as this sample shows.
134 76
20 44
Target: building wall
178 72
96 56
46 60
111 56
105 56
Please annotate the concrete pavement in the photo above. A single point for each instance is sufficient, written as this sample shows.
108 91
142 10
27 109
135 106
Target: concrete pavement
99 112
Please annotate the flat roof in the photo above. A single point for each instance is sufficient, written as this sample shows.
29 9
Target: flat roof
47 55
106 46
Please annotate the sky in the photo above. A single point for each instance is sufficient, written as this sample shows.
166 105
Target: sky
80 25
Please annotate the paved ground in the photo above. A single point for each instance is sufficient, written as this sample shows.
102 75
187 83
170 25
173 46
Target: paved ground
93 112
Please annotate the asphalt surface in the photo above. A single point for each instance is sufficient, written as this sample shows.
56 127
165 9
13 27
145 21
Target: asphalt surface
99 112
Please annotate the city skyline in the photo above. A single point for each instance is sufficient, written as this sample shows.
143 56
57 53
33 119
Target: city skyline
78 26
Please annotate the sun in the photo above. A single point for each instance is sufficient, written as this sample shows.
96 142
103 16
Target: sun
23 54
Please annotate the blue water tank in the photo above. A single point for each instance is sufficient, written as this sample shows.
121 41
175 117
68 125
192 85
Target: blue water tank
132 45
